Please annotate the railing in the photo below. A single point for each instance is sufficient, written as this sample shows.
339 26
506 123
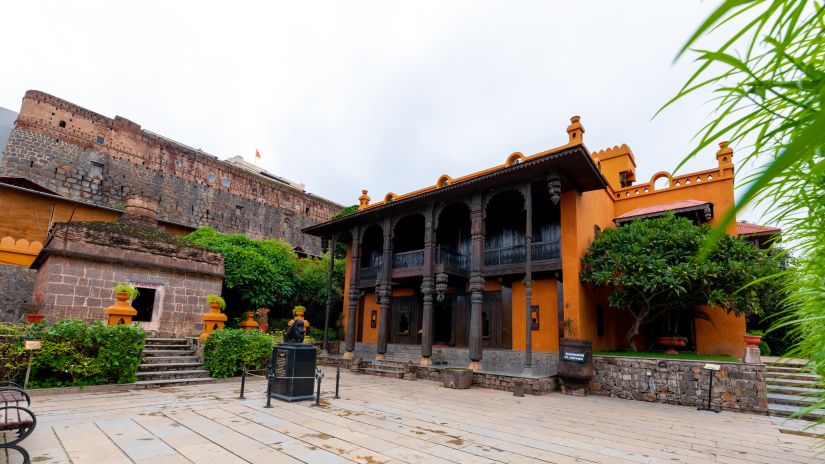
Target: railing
518 254
452 259
407 259
546 250
369 273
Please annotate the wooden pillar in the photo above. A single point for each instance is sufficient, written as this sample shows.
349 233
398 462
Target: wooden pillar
427 289
332 244
385 292
476 279
528 277
354 293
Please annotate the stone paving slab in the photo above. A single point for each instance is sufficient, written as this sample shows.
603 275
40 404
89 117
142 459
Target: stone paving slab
381 420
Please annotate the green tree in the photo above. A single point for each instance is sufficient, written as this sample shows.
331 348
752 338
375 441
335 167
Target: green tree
651 269
769 77
261 271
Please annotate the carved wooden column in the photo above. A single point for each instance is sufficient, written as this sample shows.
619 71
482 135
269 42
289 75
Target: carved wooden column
385 292
332 244
427 289
354 293
528 277
476 279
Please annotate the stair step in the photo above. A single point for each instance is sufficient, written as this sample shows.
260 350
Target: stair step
793 376
792 382
782 369
166 340
169 359
792 400
152 353
792 390
172 382
785 410
171 366
185 374
168 347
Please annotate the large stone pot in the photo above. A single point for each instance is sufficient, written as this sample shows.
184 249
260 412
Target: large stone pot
576 361
457 377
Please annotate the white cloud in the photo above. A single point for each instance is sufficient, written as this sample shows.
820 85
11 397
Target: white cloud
379 95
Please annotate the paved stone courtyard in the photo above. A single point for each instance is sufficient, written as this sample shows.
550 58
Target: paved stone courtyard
379 420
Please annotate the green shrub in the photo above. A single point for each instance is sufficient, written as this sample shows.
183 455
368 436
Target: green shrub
764 348
318 334
76 353
226 351
12 355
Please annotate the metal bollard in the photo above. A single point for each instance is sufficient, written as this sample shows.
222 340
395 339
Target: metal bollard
269 377
318 376
243 383
337 381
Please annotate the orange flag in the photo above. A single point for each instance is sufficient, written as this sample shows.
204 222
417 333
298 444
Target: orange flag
257 153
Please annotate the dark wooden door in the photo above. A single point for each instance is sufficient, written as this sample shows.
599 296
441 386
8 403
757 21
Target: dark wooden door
405 320
491 335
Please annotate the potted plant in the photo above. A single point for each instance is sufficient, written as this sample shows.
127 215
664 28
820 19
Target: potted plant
672 342
216 303
263 318
753 337
125 292
122 312
250 323
457 377
575 358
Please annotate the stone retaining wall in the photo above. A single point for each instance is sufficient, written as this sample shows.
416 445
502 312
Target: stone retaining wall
736 386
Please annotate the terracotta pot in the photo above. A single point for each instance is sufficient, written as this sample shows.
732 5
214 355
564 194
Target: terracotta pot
264 328
752 340
215 308
35 318
575 361
672 342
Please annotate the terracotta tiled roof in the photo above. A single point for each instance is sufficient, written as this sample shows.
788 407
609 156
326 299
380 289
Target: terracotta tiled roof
743 228
656 209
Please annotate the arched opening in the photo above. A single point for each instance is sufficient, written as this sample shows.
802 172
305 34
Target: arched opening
546 226
408 242
372 248
505 226
452 238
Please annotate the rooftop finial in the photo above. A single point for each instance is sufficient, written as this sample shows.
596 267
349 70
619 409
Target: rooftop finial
575 131
725 158
363 200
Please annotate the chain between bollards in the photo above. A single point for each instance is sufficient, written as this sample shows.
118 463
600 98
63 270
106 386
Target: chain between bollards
337 381
243 382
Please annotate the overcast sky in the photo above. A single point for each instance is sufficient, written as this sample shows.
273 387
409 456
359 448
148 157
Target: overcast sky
380 95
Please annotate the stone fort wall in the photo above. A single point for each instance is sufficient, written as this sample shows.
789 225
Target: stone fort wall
85 156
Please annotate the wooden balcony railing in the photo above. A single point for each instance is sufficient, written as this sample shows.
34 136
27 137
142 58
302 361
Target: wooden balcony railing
452 259
541 251
408 259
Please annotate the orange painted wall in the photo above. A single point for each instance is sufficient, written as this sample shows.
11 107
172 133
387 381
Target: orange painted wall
723 336
544 296
370 335
579 214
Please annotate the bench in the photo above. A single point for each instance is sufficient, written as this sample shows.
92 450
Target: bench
17 421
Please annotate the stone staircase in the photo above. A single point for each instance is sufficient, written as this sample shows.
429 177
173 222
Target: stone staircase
170 362
790 389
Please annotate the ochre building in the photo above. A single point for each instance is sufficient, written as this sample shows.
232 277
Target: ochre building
455 263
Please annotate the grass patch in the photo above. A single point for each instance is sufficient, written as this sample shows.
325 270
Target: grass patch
651 354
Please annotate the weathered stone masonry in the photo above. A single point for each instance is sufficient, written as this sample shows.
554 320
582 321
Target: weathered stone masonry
736 386
81 262
86 156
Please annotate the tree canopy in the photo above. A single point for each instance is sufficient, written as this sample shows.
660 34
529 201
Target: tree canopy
651 268
267 273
